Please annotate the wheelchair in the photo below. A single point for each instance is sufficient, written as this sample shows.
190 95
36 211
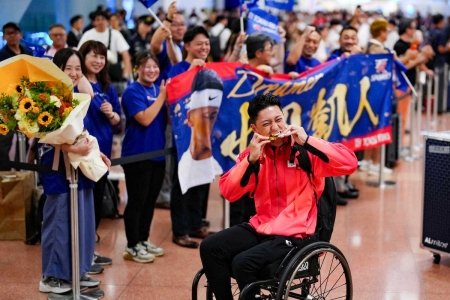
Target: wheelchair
317 271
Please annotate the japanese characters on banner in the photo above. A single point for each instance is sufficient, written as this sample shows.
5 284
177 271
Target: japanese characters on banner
348 100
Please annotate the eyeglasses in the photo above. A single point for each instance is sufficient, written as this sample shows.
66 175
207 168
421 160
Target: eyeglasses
270 49
12 32
178 24
58 34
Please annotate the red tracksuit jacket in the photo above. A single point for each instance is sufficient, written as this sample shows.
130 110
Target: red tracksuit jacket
284 196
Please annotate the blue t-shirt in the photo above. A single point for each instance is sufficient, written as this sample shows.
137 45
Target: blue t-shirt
437 37
96 122
141 139
179 68
57 183
302 65
164 63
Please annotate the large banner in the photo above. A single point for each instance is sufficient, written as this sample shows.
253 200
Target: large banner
348 100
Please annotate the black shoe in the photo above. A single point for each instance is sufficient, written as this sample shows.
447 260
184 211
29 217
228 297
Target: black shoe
95 269
340 200
349 194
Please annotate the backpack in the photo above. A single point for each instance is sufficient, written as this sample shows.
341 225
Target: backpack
326 204
110 202
214 44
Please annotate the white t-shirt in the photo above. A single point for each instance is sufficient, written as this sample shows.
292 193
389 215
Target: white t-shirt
118 42
196 172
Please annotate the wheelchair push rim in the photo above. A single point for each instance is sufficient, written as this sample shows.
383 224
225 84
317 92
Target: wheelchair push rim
327 276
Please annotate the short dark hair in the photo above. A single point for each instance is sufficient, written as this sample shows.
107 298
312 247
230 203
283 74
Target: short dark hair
56 26
11 25
403 25
62 56
437 18
261 102
75 19
256 42
191 33
142 57
348 27
101 13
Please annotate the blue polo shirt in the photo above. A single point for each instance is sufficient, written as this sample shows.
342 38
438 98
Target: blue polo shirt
302 65
179 68
335 54
141 139
96 122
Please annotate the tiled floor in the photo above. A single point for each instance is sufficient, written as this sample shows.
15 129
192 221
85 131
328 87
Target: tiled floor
379 234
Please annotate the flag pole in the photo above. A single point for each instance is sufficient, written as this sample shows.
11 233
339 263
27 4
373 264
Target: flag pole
156 17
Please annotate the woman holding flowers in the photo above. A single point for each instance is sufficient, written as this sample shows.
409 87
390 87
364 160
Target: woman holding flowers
103 113
144 106
56 245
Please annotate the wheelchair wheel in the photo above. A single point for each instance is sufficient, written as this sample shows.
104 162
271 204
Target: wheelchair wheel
318 272
201 289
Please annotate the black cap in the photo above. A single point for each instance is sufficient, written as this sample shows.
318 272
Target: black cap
206 79
147 19
11 25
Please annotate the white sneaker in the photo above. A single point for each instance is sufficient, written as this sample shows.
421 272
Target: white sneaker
375 169
138 253
364 165
152 248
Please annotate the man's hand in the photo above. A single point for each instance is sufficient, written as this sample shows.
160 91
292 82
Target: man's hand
197 63
256 146
294 75
298 133
172 10
166 32
266 69
308 31
282 34
356 50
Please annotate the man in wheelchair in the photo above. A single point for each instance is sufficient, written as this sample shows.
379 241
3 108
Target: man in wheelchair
285 197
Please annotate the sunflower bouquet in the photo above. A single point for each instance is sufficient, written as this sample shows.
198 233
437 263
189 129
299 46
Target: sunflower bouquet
35 108
37 98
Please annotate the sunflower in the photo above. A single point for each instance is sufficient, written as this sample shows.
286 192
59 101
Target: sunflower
45 119
3 129
26 104
14 89
36 109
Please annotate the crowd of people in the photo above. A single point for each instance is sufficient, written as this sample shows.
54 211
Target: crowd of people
101 57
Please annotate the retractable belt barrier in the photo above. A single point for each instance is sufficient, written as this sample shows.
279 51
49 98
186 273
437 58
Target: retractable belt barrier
114 162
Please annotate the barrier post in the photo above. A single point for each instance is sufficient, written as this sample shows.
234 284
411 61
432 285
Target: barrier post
381 183
436 98
445 93
75 294
429 87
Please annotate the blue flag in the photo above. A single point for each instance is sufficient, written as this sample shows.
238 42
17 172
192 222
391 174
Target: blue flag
400 79
148 3
262 22
38 51
281 4
247 4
